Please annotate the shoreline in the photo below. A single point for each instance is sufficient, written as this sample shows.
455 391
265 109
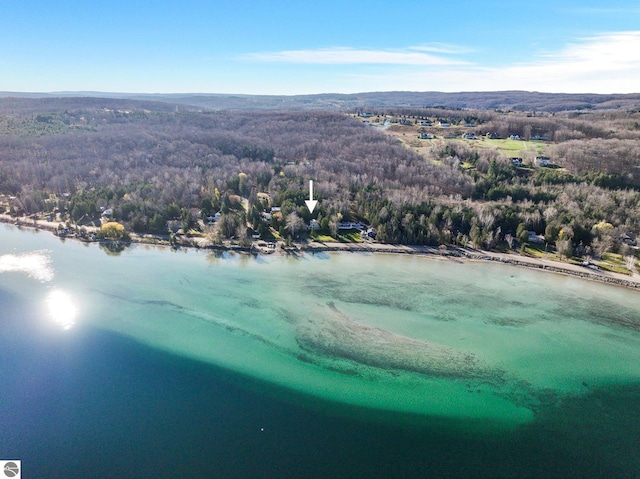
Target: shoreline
447 252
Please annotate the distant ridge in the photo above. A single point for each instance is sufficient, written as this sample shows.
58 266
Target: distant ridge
500 100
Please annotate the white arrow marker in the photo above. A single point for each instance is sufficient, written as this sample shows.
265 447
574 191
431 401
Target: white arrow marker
311 203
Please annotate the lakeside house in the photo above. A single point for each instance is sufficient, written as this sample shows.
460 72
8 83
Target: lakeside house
351 226
534 237
628 239
213 218
313 225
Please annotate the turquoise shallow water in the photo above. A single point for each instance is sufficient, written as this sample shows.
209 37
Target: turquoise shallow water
481 349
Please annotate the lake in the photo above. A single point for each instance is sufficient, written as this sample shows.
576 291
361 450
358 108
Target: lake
154 362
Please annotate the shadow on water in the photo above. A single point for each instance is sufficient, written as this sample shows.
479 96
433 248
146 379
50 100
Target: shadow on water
95 404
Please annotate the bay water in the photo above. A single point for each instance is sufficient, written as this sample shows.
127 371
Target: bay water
153 362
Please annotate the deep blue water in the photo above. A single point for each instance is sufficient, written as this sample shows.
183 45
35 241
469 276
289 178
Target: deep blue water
93 404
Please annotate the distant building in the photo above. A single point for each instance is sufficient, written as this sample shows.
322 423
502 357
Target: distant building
542 161
540 138
351 226
213 218
534 237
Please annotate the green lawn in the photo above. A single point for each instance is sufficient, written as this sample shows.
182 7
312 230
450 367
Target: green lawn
512 147
350 236
538 251
614 268
324 238
507 147
615 263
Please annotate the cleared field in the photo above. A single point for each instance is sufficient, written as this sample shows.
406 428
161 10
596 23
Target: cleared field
408 135
506 147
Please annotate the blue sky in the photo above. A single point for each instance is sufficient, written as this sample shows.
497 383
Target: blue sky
299 47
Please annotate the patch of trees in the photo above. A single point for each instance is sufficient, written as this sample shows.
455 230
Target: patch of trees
160 170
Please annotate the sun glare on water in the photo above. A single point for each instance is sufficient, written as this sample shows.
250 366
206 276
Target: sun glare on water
62 310
36 264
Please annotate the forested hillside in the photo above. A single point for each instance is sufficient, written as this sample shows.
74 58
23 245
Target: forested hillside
503 100
154 167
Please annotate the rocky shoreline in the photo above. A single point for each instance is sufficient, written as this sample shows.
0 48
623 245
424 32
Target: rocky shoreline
448 252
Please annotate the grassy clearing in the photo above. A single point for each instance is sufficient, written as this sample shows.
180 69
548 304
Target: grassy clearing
538 251
613 268
616 263
324 238
512 147
350 236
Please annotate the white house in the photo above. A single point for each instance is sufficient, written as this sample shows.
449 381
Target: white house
535 238
542 161
350 226
213 218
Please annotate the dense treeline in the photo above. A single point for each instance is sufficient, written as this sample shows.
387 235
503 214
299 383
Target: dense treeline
503 100
155 168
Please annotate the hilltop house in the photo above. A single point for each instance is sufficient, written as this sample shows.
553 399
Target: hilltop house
542 161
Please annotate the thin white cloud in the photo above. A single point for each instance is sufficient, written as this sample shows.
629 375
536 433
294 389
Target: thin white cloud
418 55
605 10
602 63
445 48
605 63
